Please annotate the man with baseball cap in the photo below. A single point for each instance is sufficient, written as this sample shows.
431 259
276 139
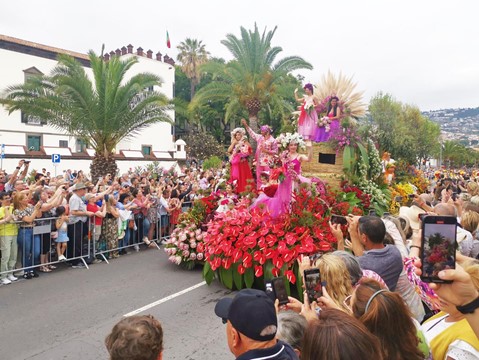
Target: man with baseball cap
251 326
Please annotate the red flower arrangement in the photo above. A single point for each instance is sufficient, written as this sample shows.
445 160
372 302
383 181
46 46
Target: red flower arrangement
242 245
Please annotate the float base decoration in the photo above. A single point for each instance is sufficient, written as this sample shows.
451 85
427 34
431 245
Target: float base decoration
244 247
326 164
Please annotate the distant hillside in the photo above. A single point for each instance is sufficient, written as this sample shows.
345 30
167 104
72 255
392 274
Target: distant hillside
457 124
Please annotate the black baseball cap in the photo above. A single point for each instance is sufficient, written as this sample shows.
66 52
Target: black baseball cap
251 312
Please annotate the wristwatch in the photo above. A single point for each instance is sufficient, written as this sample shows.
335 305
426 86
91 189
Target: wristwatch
469 308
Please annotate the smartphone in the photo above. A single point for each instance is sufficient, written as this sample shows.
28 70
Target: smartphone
312 283
438 246
422 216
280 290
106 197
411 196
372 213
398 199
454 196
26 161
338 219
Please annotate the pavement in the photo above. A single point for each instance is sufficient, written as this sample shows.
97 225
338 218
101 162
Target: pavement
66 314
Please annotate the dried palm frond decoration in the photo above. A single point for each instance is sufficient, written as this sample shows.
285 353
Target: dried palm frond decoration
344 88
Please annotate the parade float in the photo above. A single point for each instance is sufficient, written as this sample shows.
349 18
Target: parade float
241 247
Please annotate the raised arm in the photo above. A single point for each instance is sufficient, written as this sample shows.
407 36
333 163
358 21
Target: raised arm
249 130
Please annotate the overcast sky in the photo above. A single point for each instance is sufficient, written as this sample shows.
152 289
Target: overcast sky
423 52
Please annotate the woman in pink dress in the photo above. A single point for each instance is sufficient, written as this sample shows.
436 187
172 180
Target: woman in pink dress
280 203
240 150
330 122
308 118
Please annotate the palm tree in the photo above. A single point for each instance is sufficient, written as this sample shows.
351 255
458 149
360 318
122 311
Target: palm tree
102 112
192 55
252 80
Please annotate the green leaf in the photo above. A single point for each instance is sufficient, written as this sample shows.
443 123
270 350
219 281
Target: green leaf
299 281
249 277
364 154
267 270
237 277
347 155
227 277
208 274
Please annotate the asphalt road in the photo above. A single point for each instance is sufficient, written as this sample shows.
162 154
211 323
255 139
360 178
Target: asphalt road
66 314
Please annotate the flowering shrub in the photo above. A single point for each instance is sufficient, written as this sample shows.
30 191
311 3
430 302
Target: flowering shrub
185 245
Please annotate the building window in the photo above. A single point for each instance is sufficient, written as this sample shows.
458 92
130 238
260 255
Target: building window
28 119
34 142
63 143
178 148
146 149
80 145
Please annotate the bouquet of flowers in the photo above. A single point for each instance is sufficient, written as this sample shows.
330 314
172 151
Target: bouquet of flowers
309 106
185 246
325 122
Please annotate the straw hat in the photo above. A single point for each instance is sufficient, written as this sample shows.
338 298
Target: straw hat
78 186
412 214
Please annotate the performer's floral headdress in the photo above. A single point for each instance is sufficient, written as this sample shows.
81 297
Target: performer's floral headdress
266 128
238 130
288 138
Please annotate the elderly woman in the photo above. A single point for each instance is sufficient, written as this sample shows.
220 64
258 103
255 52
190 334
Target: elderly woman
240 150
265 151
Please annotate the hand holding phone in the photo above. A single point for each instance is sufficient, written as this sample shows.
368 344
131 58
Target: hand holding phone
438 246
312 283
276 289
338 219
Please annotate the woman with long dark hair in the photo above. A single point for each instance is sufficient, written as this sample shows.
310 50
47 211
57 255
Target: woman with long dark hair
329 123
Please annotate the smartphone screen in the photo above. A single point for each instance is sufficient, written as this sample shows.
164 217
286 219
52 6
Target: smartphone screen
269 290
280 290
438 246
312 280
338 219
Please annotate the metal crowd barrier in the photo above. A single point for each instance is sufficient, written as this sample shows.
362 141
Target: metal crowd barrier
34 246
84 245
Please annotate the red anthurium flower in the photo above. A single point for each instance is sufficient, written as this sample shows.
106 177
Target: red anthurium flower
237 254
278 262
290 276
271 239
290 238
257 256
269 253
275 272
241 269
258 270
227 263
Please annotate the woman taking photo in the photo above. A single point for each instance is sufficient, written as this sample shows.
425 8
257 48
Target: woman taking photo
28 243
239 151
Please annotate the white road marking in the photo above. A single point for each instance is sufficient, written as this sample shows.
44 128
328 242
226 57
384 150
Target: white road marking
165 299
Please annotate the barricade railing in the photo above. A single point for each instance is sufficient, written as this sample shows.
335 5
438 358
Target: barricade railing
116 235
33 246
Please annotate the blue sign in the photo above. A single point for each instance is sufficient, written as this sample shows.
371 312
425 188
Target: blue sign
56 158
2 152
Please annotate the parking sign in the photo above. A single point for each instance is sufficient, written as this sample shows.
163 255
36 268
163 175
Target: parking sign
56 159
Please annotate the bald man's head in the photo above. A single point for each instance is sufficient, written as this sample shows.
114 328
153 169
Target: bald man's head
445 209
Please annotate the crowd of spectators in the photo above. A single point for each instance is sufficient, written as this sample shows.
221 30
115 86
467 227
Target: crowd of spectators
45 219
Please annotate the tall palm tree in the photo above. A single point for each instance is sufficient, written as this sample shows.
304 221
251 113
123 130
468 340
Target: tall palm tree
102 111
252 80
192 55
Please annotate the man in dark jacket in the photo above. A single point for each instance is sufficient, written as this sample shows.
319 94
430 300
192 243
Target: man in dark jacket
251 326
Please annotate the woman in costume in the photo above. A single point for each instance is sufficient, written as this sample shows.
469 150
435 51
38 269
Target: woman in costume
265 151
239 151
280 203
308 118
329 123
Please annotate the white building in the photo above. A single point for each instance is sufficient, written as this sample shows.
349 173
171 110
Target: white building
27 138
